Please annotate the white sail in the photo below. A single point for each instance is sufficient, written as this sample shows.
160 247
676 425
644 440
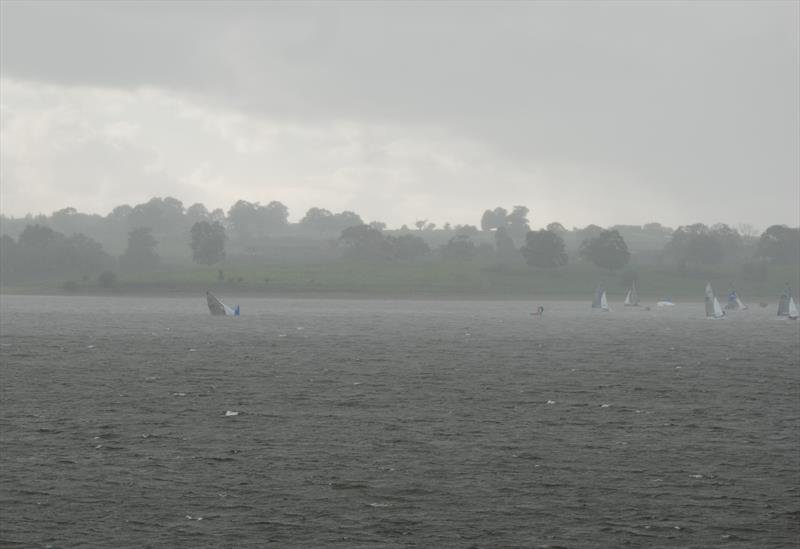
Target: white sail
718 312
632 298
603 302
713 308
793 313
741 305
783 303
598 292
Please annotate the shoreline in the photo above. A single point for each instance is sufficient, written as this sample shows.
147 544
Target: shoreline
306 294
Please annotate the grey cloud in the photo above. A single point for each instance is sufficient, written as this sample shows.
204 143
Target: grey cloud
675 97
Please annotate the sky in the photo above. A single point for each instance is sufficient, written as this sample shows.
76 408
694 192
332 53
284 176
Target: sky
585 112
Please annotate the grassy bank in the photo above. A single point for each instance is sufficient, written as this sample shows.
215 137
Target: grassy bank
432 279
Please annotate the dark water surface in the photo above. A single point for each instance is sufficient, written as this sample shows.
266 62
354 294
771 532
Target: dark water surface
395 424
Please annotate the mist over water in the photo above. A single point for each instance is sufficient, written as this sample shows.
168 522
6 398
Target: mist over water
381 423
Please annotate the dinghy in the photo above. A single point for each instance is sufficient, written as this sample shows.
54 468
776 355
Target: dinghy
218 308
734 302
713 308
600 302
783 302
793 313
632 299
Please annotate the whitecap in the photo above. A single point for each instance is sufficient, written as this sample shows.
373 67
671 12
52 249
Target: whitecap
605 405
551 401
230 413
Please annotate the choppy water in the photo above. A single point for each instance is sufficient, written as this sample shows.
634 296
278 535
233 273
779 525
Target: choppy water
395 424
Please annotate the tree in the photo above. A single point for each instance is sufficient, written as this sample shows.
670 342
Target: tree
607 250
556 227
380 225
779 244
588 232
544 249
407 246
494 219
469 230
243 217
38 236
420 224
459 247
197 212
730 238
208 242
141 251
518 224
42 252
503 243
698 244
364 241
317 220
163 216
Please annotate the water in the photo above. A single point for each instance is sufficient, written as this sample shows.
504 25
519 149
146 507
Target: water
395 424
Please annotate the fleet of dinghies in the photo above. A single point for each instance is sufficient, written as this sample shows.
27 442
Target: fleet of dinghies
786 306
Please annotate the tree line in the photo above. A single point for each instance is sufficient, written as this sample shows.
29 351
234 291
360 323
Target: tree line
73 244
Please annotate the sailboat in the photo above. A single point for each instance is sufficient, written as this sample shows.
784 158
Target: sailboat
783 302
713 308
734 302
600 302
632 299
218 308
793 313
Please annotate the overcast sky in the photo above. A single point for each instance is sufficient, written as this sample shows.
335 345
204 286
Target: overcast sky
585 112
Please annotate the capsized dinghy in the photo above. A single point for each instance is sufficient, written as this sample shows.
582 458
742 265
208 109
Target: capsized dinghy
218 308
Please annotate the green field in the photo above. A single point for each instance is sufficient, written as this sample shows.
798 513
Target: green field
430 279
